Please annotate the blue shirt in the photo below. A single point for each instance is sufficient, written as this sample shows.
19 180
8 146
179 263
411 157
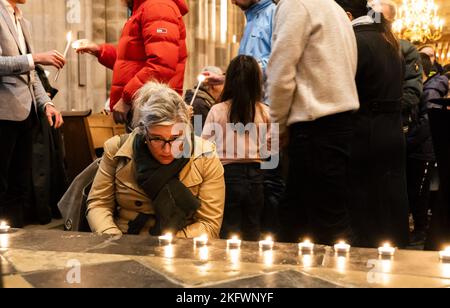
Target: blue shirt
257 39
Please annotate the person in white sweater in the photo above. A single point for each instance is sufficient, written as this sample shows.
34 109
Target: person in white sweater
311 78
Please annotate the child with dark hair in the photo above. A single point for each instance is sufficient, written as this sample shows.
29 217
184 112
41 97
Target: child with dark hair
235 126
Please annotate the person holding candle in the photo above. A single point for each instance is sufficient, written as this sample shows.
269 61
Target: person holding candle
240 147
379 200
21 95
162 179
152 48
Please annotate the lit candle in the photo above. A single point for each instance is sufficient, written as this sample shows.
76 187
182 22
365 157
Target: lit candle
342 247
386 250
69 41
266 244
306 247
201 240
4 228
165 239
445 254
80 44
234 243
200 78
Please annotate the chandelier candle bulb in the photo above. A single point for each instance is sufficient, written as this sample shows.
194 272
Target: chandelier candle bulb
165 239
306 247
386 250
342 247
201 240
266 244
4 228
234 243
444 255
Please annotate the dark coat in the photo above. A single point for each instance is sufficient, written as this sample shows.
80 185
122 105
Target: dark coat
420 143
412 86
202 105
379 202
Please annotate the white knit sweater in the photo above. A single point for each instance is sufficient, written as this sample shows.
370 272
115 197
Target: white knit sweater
311 72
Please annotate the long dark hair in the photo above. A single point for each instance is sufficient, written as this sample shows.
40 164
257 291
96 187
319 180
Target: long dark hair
360 8
243 87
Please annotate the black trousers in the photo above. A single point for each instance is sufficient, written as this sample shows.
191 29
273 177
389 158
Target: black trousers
244 201
317 190
418 176
15 168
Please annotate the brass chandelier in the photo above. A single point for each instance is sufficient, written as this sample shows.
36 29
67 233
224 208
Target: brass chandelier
418 21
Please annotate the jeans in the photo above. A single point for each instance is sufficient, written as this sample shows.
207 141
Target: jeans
244 201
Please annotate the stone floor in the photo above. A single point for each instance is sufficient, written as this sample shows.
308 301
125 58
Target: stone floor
47 258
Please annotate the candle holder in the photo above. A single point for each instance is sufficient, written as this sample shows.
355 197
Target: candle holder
165 239
342 248
266 244
444 255
306 247
201 240
386 250
234 243
4 228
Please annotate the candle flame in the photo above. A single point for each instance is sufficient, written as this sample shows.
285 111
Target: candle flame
3 224
201 78
387 245
234 238
69 36
269 239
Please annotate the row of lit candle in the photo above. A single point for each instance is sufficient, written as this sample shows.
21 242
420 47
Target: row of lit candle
305 247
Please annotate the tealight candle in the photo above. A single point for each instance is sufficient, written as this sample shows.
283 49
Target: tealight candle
445 254
201 240
4 228
342 247
306 247
386 250
266 244
234 243
165 239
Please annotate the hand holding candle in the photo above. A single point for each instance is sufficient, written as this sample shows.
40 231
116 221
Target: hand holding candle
69 41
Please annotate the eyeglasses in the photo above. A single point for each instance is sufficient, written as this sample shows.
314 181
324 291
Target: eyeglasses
161 142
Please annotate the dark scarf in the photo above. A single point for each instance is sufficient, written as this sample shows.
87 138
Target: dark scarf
173 202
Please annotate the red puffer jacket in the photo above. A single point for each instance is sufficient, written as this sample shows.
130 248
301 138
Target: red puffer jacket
152 47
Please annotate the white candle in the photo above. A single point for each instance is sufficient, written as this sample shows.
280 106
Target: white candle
234 243
386 250
266 244
342 247
4 228
444 255
165 239
69 41
306 246
201 240
200 78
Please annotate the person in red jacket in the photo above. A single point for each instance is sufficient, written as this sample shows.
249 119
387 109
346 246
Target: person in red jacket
152 47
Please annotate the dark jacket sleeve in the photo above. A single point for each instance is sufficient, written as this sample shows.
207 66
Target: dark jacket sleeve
413 84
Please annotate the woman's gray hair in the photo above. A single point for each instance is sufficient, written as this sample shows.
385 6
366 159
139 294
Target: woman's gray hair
157 104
